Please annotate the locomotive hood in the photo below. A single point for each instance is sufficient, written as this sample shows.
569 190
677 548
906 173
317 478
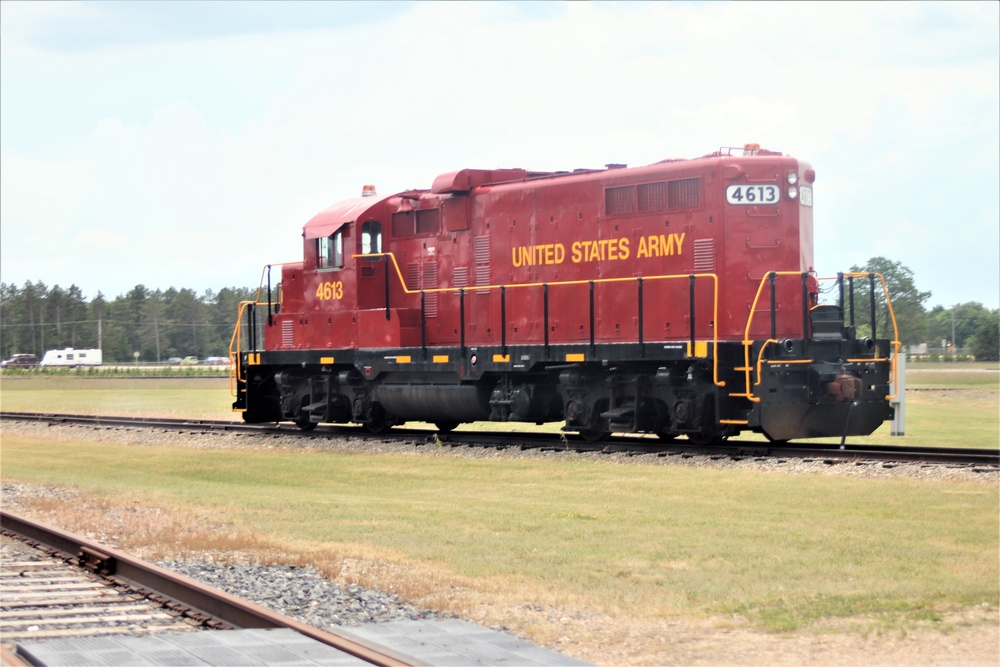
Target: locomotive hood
342 213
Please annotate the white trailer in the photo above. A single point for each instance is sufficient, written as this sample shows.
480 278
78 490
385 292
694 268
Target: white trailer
71 357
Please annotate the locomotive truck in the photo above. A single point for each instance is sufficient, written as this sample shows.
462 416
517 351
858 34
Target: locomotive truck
677 298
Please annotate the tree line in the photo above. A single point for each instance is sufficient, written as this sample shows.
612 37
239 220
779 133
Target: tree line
966 326
157 324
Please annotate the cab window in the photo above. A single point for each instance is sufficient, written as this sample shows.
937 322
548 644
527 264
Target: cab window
330 251
371 237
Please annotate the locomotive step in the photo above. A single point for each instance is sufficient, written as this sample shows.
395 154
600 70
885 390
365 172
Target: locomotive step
618 413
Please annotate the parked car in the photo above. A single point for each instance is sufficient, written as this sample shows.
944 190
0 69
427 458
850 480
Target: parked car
189 361
20 361
174 361
216 361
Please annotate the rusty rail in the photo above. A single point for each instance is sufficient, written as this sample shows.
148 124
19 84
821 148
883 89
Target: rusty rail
210 606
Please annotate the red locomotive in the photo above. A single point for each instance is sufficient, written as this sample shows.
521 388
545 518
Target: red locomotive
675 299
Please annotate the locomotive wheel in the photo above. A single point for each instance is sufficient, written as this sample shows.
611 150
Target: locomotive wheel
595 435
378 426
446 427
304 424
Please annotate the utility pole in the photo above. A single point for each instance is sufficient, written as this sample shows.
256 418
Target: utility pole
954 343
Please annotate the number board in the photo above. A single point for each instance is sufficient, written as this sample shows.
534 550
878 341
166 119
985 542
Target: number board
753 194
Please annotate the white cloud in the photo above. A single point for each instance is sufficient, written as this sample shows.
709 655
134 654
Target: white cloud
209 153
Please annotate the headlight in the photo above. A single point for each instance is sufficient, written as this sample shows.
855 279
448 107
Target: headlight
793 192
793 178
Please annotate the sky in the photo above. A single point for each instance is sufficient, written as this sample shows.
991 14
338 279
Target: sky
185 144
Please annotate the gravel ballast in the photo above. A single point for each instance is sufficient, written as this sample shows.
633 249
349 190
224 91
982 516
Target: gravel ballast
301 593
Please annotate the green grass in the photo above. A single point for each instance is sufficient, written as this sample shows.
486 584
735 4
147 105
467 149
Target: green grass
784 551
197 398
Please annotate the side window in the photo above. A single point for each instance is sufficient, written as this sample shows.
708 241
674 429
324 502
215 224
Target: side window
371 237
330 251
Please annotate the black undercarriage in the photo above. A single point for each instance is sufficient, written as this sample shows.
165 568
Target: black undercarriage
830 385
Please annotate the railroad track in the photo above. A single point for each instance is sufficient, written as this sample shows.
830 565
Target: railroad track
74 587
47 598
985 459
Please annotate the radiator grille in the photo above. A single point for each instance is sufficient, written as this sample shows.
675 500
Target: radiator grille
402 223
685 193
620 200
652 197
287 334
429 221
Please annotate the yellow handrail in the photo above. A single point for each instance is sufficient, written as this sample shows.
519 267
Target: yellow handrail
235 355
895 343
235 340
748 343
454 290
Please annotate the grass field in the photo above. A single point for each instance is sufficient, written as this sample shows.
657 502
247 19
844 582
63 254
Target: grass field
783 551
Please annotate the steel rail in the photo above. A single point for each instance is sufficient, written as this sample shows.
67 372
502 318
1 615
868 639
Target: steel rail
213 608
558 442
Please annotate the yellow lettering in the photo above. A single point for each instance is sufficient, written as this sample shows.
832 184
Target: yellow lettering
577 252
643 249
327 291
654 246
623 248
680 242
667 243
550 253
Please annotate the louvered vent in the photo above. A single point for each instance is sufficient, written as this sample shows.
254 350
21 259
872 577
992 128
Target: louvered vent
430 282
424 277
460 276
704 256
413 277
287 334
482 249
685 193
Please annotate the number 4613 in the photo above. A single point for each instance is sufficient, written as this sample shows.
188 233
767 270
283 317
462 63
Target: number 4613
330 290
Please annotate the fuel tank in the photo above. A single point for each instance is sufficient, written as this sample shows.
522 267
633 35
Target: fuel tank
433 402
